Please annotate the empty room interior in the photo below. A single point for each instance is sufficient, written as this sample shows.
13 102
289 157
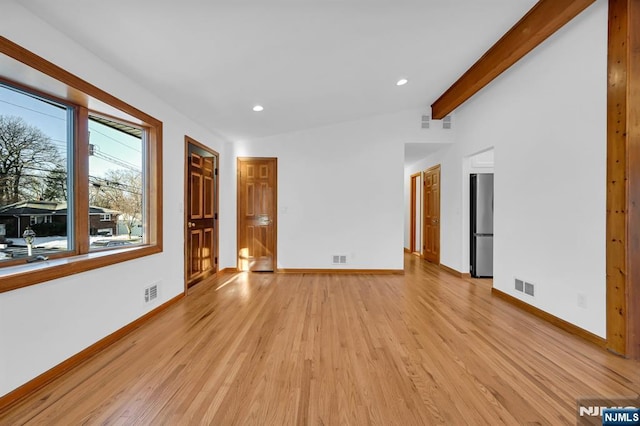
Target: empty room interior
342 212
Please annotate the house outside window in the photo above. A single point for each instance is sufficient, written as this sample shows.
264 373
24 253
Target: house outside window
105 217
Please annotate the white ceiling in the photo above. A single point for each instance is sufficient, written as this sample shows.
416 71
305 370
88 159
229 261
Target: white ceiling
309 62
414 152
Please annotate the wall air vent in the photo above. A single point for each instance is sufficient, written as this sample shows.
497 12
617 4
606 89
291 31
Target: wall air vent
426 119
339 259
528 289
446 122
524 287
519 285
150 293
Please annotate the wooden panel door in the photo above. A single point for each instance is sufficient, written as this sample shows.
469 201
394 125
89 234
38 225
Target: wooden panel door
257 195
201 209
431 194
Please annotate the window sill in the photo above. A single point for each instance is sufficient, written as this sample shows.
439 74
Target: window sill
27 274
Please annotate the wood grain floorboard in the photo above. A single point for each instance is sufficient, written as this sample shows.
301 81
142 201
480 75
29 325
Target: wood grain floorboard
296 349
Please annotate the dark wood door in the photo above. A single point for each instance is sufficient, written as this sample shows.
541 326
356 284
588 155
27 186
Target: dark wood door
431 243
201 213
257 195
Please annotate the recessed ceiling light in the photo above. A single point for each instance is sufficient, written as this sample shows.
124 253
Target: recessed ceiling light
402 82
258 108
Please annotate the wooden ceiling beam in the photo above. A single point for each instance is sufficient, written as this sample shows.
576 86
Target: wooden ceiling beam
544 19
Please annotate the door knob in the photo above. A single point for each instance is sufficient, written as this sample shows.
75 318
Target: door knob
263 220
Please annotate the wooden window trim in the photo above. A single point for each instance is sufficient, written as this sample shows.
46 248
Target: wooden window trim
80 94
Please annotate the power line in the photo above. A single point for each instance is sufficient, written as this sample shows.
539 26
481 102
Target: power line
102 182
94 150
54 170
96 182
56 141
37 170
33 110
115 140
64 119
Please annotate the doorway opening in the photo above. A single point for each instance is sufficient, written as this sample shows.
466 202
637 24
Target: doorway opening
415 237
480 163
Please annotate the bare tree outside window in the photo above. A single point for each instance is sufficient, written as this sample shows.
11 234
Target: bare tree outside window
120 190
27 160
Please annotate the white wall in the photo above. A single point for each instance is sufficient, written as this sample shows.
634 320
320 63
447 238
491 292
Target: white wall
546 118
42 325
340 191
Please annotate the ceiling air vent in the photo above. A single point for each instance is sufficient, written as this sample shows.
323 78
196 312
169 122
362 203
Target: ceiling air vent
426 119
446 122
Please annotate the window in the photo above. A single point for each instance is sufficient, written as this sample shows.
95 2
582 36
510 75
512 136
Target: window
80 169
35 139
37 220
116 180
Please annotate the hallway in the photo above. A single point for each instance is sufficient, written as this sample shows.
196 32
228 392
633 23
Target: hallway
423 348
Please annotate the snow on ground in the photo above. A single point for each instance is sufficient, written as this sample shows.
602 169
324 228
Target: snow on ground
60 242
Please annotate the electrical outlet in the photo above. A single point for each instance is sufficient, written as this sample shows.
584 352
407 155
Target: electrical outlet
582 300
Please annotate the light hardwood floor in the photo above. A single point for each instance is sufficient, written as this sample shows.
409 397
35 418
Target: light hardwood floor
277 349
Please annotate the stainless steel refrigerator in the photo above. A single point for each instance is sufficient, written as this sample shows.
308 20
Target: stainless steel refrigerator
481 225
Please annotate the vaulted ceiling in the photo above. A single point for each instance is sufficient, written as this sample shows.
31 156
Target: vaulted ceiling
308 62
